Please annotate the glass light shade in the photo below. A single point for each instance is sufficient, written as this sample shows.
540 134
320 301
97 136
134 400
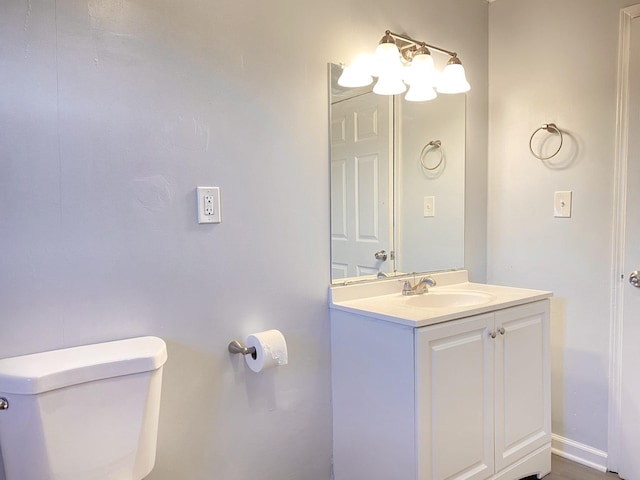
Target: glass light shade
352 77
387 60
389 85
435 81
453 79
420 92
421 70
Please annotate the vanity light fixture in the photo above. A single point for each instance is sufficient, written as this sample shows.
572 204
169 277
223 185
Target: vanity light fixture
401 61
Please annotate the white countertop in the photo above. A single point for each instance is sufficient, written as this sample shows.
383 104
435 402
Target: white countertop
383 300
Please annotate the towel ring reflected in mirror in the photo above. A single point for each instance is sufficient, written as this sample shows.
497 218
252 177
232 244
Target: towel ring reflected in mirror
429 147
550 128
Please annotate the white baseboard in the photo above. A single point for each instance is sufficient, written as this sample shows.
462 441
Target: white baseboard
579 452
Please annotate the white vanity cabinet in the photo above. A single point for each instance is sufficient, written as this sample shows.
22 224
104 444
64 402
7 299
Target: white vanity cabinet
465 399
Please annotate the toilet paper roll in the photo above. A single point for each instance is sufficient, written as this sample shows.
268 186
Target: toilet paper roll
271 350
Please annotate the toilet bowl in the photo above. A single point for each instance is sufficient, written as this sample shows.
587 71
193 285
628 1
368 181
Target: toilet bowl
82 413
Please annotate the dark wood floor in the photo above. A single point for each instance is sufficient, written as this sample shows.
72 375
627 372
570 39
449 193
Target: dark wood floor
563 469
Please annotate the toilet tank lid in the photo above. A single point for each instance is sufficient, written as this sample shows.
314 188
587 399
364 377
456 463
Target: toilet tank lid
41 372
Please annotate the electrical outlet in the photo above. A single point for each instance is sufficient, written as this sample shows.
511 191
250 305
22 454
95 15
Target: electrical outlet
208 204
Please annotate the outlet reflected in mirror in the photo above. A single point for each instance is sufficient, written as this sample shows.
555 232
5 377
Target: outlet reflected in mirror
397 182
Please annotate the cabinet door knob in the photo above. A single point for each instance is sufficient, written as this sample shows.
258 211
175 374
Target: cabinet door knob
501 330
493 334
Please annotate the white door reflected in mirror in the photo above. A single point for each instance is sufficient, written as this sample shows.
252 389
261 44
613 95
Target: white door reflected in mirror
390 159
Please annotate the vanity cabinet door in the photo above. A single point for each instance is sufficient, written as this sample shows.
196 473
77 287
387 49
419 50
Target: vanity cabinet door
522 394
454 399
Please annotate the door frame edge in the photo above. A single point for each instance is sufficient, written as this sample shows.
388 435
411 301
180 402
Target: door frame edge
627 14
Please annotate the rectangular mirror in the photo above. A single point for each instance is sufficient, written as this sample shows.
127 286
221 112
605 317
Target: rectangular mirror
397 183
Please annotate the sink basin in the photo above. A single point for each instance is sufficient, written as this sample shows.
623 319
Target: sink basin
435 299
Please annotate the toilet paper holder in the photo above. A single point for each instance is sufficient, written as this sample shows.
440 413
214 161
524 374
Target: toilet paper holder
237 347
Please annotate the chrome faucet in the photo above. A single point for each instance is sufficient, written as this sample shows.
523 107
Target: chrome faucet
419 287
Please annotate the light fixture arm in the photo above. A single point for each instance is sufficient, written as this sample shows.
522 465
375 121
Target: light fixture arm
410 42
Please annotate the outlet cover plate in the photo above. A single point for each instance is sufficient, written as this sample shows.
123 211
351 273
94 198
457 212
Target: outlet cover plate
208 204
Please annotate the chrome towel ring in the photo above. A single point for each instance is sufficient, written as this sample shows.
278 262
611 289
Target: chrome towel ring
432 145
551 128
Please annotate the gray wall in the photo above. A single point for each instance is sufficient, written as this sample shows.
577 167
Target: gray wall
111 113
556 61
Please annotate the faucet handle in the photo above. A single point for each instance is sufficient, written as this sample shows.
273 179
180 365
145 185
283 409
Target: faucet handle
429 280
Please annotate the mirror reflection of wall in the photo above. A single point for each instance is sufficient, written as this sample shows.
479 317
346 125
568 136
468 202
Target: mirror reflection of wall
378 184
430 197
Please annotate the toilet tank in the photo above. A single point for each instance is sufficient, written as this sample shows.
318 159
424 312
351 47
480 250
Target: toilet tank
82 413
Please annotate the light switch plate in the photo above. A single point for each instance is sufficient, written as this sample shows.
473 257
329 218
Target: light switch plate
429 206
562 204
208 205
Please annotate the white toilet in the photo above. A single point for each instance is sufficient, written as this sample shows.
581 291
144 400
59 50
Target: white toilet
82 413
